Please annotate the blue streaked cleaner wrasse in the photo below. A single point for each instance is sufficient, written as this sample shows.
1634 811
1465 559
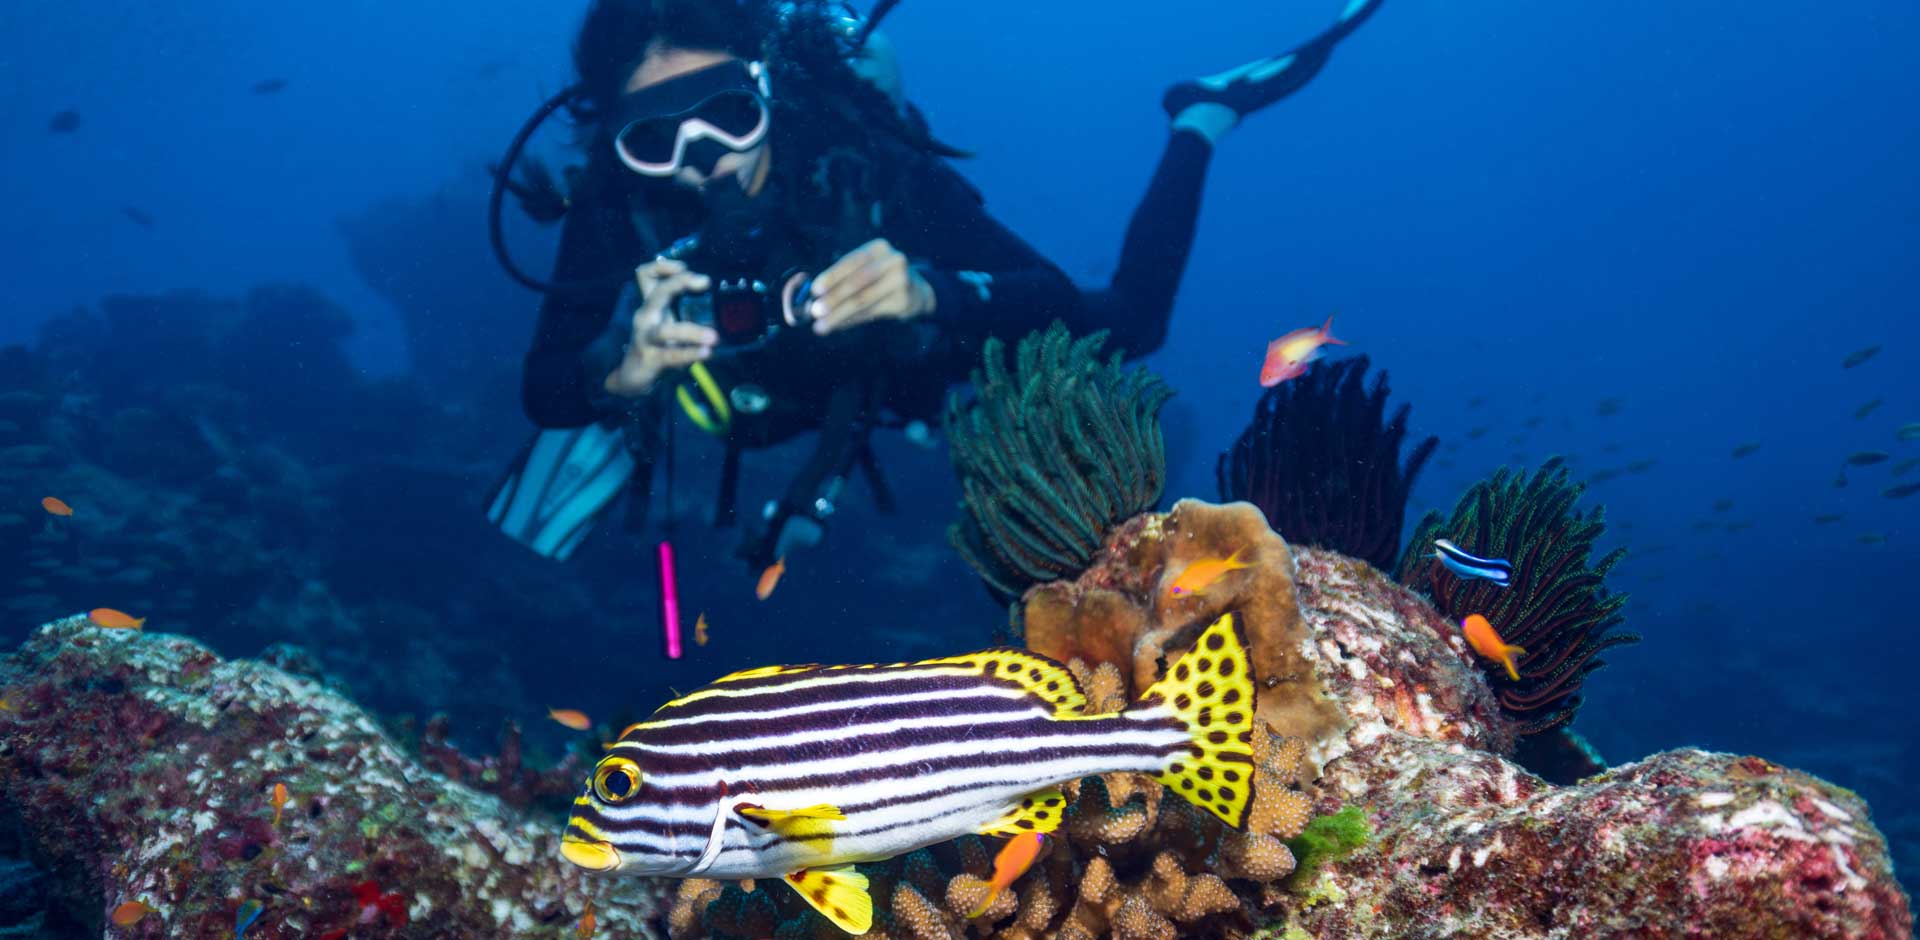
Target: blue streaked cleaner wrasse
1458 561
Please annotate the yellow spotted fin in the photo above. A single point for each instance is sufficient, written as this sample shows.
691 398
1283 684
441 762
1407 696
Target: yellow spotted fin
1039 675
839 894
1039 812
1210 690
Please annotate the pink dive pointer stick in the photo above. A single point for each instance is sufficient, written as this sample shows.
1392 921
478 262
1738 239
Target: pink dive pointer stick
669 601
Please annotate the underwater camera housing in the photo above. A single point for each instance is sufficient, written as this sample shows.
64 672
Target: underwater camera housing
755 291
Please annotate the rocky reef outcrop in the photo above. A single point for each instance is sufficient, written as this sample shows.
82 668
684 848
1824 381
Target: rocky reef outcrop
142 767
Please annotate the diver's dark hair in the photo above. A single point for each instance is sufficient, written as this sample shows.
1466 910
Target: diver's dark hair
803 43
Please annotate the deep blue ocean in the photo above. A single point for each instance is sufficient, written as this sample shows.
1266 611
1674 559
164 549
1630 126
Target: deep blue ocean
1631 233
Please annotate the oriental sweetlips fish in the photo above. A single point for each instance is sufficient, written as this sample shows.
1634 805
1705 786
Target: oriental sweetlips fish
803 771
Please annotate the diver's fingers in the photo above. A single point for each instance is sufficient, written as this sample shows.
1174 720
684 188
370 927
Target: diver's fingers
825 282
679 357
649 275
682 333
878 270
888 296
655 302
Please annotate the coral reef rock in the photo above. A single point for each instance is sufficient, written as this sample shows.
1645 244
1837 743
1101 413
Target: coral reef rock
143 767
1466 844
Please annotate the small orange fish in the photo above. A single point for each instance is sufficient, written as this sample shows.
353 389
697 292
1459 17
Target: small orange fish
584 928
770 579
700 629
279 801
1201 574
113 619
1289 356
577 720
130 913
56 507
1014 859
1486 641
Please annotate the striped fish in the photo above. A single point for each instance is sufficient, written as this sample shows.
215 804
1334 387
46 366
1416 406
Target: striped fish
1497 570
802 771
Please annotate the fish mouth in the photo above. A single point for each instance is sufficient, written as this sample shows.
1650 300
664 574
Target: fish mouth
590 855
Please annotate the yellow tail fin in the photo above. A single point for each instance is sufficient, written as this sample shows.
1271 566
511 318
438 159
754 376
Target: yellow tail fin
1210 690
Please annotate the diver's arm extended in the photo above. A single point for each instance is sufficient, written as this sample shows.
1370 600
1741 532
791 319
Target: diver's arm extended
559 387
986 280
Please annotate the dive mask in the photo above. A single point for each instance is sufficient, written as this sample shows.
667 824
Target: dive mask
694 119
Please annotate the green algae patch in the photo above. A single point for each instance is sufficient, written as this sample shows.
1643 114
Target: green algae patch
1326 839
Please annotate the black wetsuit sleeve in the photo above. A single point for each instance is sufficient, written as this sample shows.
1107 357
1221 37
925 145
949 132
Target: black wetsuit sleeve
559 387
986 280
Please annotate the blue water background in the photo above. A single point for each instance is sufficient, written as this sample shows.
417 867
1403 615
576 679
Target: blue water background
1696 209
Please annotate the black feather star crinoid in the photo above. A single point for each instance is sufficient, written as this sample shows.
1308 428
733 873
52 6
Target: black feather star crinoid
1556 606
1322 460
1051 453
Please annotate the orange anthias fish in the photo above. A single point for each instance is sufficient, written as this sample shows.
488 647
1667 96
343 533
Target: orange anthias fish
1201 574
1013 861
1486 641
56 507
584 928
130 913
279 801
1289 356
577 720
700 629
113 619
770 579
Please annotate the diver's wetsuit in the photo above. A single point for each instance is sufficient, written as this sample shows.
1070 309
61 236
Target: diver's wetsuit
986 280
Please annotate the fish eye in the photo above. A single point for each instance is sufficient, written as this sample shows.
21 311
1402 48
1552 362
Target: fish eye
618 779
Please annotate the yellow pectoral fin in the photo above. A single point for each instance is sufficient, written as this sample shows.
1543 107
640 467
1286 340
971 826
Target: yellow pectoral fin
839 894
1037 812
811 826
774 816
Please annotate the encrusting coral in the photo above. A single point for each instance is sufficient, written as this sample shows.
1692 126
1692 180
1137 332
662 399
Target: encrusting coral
1322 460
1052 451
1124 611
1556 607
141 766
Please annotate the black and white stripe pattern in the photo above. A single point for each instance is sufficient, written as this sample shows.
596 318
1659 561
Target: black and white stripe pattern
912 754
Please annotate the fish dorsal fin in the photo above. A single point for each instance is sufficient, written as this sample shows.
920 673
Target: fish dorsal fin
839 894
1209 689
1037 674
1040 811
763 672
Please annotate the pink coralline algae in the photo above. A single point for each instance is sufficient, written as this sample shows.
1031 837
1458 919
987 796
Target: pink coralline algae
140 767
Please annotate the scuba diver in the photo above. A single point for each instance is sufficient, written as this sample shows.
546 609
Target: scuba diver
807 258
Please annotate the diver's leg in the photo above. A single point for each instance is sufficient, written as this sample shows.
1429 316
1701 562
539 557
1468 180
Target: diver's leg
1138 302
1213 104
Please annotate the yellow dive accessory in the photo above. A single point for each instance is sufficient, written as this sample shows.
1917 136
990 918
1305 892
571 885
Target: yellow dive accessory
714 417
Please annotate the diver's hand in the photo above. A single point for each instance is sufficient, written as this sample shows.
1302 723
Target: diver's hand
659 343
873 282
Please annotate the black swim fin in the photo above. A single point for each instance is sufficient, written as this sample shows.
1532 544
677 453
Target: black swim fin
1262 82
